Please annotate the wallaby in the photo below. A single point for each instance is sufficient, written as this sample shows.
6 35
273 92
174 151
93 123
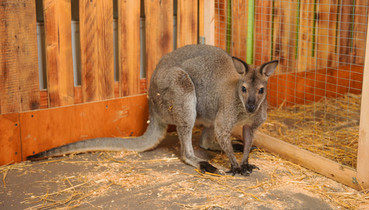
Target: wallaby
197 84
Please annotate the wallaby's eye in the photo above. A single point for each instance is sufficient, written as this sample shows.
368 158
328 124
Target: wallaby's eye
244 89
261 90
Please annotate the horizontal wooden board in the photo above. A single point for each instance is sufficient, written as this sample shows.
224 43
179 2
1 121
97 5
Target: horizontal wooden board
45 129
10 148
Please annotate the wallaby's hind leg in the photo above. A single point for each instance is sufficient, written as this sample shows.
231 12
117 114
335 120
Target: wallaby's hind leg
175 102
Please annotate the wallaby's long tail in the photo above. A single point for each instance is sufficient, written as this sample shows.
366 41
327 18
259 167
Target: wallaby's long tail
153 135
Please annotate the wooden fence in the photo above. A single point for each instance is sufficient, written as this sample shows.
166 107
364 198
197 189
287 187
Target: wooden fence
33 120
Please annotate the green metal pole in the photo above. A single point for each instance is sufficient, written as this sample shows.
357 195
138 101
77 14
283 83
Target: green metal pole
250 32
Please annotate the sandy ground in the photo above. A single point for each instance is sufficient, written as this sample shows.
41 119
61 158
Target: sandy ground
159 180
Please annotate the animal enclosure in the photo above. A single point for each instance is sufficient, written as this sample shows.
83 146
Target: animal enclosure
317 96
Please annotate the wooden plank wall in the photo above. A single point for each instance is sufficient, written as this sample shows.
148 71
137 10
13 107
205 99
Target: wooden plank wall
26 129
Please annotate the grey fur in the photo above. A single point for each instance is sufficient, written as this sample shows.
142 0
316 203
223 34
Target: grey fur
197 84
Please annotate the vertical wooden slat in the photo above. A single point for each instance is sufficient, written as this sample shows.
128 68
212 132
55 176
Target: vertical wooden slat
239 28
284 37
305 42
346 10
363 146
209 23
326 33
19 82
187 23
59 63
129 47
263 31
97 60
159 32
359 31
220 23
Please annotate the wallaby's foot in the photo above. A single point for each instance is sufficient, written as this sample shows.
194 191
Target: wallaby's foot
207 167
246 169
234 170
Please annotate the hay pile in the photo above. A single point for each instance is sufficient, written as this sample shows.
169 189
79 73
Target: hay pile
329 127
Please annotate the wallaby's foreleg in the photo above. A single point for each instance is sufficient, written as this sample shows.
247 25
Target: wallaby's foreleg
248 136
222 134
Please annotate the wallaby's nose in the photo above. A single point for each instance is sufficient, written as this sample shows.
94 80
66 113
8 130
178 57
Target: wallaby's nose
250 107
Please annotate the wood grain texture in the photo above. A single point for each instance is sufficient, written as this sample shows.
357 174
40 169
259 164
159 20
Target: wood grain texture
326 34
239 28
44 129
359 31
187 23
345 25
304 158
97 58
19 82
129 47
59 61
220 23
363 146
159 32
305 61
284 35
10 149
263 28
209 23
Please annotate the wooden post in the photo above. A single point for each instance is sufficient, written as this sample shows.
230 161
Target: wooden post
363 147
19 82
129 47
159 32
59 52
209 24
97 60
187 23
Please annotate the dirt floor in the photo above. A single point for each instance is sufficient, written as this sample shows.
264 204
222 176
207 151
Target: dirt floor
159 180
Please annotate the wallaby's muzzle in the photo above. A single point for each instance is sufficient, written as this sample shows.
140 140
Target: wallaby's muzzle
250 107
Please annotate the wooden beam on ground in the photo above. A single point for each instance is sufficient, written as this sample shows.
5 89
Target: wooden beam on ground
363 146
19 82
45 129
305 158
59 61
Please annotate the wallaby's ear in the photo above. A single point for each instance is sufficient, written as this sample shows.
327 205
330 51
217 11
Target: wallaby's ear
268 68
241 66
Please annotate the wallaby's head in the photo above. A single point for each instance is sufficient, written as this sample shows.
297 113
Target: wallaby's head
253 82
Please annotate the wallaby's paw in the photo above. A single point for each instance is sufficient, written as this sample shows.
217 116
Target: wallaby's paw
246 169
207 167
234 170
